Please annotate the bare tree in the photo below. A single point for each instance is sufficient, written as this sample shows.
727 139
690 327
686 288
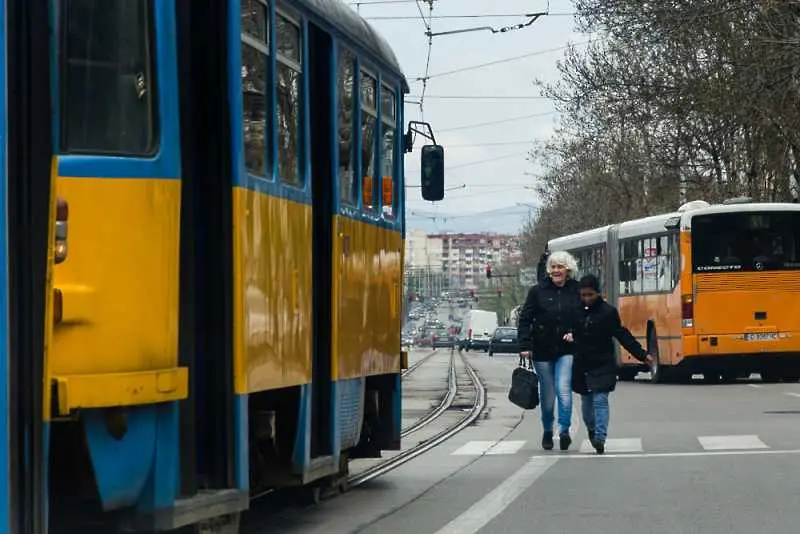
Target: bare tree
674 100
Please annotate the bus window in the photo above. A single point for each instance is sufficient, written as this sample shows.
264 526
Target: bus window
746 241
255 51
369 120
108 103
630 277
388 144
649 265
348 183
665 259
289 72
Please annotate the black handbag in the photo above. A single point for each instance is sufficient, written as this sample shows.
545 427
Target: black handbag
524 390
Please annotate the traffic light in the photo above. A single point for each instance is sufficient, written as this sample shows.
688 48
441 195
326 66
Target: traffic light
488 271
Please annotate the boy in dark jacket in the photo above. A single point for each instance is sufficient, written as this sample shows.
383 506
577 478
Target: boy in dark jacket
595 367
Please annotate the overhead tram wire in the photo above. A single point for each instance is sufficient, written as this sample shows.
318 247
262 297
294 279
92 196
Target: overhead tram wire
441 17
472 98
381 2
429 34
503 60
500 121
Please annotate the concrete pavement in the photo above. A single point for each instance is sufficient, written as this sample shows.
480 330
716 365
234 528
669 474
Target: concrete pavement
681 458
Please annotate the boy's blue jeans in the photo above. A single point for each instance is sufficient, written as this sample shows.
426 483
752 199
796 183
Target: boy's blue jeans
596 413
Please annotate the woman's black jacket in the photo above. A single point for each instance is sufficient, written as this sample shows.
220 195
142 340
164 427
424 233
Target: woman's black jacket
549 312
594 369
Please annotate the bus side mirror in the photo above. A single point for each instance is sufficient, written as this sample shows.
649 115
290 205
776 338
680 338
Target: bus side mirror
432 172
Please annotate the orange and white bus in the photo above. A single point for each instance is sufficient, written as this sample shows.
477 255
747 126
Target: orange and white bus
708 289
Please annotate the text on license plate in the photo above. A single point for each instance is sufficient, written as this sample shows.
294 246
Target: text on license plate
761 336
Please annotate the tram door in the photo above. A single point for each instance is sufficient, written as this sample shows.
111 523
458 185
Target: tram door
25 209
320 67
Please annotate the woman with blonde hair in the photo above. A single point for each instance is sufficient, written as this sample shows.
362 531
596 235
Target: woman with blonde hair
546 325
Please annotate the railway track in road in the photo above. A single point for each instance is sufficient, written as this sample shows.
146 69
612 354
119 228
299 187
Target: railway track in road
444 403
464 387
478 405
419 363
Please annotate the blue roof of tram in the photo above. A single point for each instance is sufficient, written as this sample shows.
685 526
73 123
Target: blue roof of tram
341 17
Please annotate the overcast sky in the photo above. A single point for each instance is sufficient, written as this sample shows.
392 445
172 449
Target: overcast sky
489 160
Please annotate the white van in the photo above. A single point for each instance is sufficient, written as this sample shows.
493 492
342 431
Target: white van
480 326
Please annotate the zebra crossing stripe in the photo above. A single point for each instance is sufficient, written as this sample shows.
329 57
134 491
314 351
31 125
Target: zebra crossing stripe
741 442
616 445
474 448
506 447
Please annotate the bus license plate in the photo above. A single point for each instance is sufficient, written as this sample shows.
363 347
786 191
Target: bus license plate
505 341
761 336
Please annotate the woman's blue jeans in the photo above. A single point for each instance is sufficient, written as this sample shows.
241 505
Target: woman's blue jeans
555 382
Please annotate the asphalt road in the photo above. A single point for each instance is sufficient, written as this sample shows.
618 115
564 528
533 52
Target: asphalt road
692 458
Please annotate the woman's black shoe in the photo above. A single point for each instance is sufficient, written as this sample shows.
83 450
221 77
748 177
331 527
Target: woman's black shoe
599 446
564 441
547 441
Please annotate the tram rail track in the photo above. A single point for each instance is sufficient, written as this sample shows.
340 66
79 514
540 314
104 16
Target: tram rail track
445 402
478 405
419 363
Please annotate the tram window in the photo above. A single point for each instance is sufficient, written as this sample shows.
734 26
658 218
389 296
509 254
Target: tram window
254 119
388 117
348 183
369 119
255 57
108 89
254 19
289 71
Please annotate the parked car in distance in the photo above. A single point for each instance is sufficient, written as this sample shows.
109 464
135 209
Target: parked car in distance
504 341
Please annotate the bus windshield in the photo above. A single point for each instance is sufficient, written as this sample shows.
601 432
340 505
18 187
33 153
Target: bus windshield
746 241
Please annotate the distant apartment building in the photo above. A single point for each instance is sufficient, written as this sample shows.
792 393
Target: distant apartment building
423 251
462 258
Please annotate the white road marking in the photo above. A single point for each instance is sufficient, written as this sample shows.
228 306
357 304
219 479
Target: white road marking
755 385
492 505
675 454
506 447
474 448
616 445
792 394
718 443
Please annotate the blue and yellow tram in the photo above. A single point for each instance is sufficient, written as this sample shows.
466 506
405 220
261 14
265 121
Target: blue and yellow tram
202 257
